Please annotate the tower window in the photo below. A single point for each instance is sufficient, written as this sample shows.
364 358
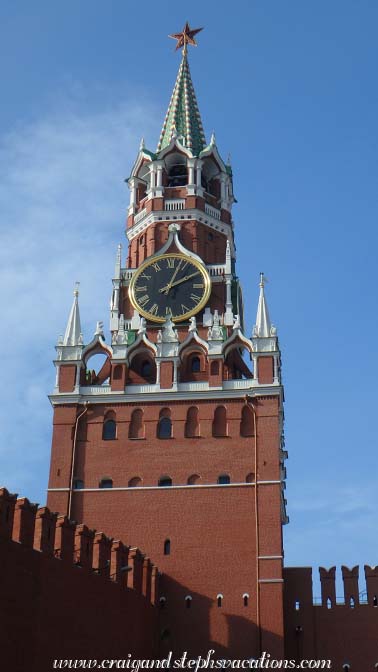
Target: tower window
106 483
167 547
109 430
247 423
245 599
165 482
192 424
135 482
375 601
250 478
223 479
188 601
297 605
196 365
220 422
219 599
78 484
194 479
178 175
136 427
162 602
146 369
165 424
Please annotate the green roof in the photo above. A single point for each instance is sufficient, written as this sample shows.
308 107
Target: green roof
183 117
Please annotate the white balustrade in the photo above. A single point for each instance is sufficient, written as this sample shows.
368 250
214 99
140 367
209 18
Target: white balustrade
213 212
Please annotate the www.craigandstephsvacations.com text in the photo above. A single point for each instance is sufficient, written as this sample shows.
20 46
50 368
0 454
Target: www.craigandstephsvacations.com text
265 662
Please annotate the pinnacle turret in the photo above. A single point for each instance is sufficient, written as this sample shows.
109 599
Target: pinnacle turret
73 335
183 116
263 326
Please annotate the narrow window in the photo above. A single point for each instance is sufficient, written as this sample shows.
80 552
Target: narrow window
346 667
220 422
165 428
223 479
192 424
117 374
109 430
165 482
245 599
162 602
106 483
135 482
214 368
297 605
165 634
375 603
196 365
351 602
246 423
194 479
188 601
167 547
78 484
136 427
250 478
329 603
219 600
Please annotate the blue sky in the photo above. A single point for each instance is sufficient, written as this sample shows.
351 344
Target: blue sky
290 90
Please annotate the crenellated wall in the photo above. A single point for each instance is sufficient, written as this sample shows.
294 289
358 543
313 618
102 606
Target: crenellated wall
69 592
345 631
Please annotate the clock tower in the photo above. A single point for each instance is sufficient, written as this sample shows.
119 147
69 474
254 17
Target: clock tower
174 443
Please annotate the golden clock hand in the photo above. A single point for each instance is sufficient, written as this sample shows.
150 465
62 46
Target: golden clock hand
168 287
187 277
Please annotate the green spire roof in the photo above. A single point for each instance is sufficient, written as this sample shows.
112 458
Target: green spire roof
183 117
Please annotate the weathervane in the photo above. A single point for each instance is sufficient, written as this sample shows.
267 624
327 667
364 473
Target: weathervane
185 37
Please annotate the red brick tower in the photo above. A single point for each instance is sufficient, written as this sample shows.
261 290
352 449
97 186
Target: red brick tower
175 444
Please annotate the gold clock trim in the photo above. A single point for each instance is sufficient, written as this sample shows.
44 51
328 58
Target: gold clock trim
178 318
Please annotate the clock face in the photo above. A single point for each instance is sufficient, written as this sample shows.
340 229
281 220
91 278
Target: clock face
169 285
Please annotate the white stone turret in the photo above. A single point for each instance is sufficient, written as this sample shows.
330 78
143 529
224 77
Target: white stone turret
262 328
73 335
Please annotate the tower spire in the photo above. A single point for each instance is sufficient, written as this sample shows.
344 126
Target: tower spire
263 324
73 334
183 116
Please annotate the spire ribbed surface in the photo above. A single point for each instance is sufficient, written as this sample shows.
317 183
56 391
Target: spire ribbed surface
73 329
263 324
183 117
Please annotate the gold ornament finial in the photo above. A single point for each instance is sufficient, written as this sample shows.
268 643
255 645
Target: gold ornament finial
186 37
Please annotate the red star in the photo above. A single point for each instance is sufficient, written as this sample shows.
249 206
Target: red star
186 36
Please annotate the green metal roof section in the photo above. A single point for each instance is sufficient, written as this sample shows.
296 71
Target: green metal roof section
183 117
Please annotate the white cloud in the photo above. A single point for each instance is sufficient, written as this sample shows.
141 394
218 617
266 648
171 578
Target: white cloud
63 209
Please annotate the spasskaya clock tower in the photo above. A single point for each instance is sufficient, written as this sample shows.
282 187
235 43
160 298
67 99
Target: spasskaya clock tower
175 443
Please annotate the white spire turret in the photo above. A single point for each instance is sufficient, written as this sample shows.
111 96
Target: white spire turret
263 326
73 335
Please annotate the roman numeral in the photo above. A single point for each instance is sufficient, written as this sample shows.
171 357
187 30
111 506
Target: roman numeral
168 310
184 309
198 285
154 309
144 300
141 289
195 298
156 266
171 263
147 277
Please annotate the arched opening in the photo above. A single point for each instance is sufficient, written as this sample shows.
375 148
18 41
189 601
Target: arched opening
352 602
329 603
97 369
219 599
250 478
106 482
245 599
247 422
297 605
109 427
195 364
142 368
165 634
167 547
375 601
194 479
164 430
117 373
177 170
235 368
165 482
136 427
135 482
162 602
214 368
220 422
192 424
146 369
224 479
188 601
